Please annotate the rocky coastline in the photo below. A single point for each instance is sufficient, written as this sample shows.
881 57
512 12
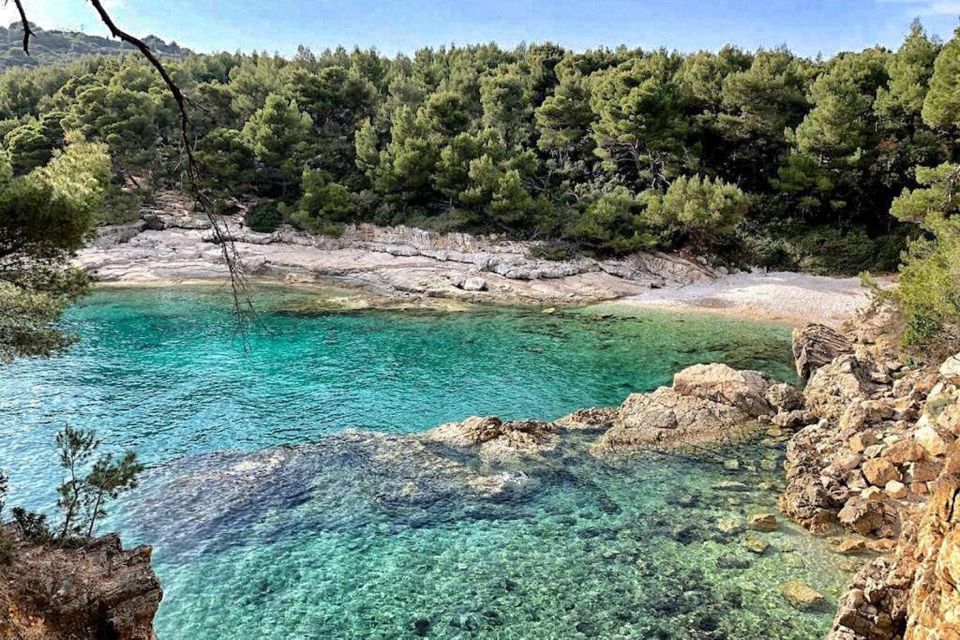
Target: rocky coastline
401 266
872 460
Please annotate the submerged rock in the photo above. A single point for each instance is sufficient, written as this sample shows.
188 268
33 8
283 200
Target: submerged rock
763 522
755 544
802 596
495 438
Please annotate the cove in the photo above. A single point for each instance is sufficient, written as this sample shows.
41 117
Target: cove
270 520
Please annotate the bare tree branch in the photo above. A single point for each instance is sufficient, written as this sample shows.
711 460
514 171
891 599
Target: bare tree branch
243 308
242 304
27 31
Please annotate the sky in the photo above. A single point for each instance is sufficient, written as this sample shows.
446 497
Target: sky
808 27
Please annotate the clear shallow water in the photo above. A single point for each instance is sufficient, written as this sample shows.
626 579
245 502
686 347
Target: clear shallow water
338 542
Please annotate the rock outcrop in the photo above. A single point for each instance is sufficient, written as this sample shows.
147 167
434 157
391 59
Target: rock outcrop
172 242
934 604
495 438
881 459
94 592
707 404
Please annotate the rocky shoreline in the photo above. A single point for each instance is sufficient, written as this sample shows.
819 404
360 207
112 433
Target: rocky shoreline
874 462
872 453
400 266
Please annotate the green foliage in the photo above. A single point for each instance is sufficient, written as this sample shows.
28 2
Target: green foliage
613 223
32 143
125 109
929 288
90 484
108 478
44 217
228 162
51 47
941 107
837 141
534 142
265 217
639 128
276 134
910 70
324 203
701 210
33 526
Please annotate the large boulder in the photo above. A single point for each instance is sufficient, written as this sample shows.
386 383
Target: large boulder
785 397
950 370
836 386
745 390
707 404
668 419
816 345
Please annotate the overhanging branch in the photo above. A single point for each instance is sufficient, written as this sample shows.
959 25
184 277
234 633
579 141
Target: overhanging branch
27 31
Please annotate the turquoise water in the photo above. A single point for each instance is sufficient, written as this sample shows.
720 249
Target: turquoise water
360 537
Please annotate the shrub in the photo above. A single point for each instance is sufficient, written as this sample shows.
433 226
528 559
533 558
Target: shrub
33 526
324 206
824 250
929 291
697 210
612 223
265 217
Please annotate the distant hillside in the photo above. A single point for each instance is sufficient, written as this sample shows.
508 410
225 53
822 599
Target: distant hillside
58 47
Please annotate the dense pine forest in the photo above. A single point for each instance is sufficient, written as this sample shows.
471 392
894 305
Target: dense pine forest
764 158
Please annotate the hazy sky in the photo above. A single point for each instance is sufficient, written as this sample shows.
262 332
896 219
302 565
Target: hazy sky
806 26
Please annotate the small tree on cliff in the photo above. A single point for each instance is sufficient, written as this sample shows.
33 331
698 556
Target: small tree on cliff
4 486
84 494
107 480
76 447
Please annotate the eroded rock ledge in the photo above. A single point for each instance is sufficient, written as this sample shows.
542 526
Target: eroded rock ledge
94 592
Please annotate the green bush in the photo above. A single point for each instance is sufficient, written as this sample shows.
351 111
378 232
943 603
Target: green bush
613 223
822 250
265 217
33 526
122 207
929 291
696 210
324 206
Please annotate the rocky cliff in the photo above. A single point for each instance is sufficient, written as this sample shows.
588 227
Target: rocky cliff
98 591
878 461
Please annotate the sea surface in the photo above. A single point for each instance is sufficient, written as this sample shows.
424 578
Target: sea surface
274 512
